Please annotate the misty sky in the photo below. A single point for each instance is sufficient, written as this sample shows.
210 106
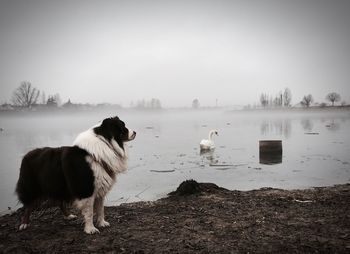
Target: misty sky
122 51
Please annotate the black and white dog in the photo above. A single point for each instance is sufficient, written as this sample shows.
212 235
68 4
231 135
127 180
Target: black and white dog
81 174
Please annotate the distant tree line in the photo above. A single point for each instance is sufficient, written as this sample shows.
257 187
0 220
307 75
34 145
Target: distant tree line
285 99
332 97
148 104
279 100
26 96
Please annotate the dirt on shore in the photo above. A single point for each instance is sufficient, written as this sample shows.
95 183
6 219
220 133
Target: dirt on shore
198 218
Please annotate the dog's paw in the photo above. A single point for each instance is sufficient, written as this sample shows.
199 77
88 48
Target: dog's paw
91 230
23 226
70 217
103 224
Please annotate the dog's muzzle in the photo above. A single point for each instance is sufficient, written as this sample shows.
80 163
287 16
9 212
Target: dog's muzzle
132 135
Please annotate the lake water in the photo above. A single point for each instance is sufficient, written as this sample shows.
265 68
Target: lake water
316 149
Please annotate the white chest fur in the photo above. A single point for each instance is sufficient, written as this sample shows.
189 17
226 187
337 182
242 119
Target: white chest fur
102 154
103 181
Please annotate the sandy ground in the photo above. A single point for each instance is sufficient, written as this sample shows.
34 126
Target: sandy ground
198 218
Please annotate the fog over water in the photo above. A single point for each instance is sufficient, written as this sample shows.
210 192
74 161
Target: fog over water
123 51
169 141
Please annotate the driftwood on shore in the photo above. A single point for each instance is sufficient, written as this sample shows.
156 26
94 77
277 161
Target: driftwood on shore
198 218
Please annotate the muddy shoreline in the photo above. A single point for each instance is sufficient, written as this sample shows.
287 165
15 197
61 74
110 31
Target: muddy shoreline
198 218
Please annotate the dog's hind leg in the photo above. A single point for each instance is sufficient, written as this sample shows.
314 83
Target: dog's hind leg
64 209
25 218
100 213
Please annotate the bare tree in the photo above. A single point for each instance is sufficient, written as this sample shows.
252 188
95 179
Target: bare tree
307 100
57 98
333 97
51 101
278 100
141 103
264 100
25 95
287 97
155 103
43 98
195 103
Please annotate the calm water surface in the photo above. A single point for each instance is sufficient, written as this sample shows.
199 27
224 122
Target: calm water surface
169 141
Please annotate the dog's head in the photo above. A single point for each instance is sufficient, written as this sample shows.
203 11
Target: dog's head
114 128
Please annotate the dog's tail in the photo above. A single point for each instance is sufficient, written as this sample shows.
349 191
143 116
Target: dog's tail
26 188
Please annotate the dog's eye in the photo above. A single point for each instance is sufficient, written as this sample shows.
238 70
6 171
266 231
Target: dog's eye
123 131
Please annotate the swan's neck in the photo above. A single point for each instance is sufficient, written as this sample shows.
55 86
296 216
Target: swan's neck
211 135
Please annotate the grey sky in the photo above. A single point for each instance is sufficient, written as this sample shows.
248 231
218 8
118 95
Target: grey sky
118 51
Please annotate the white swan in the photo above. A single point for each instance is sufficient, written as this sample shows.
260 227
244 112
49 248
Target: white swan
207 144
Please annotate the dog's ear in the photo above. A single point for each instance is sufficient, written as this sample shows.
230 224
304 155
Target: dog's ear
109 121
105 122
105 129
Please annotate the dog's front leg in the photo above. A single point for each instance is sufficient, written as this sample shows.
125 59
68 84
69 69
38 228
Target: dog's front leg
100 212
87 210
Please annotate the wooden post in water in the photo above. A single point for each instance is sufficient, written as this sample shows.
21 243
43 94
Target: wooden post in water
270 151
